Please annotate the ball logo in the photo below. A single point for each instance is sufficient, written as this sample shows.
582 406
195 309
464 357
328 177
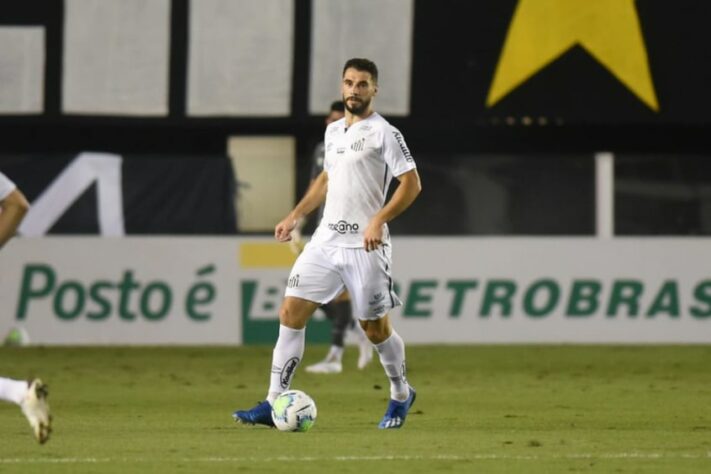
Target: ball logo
343 227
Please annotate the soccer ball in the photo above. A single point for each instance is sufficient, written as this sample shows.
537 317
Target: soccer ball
17 337
293 410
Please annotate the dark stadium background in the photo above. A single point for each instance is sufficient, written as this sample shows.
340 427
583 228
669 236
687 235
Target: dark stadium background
543 174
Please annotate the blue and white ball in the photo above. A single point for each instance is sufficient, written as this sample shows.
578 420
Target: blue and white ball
294 410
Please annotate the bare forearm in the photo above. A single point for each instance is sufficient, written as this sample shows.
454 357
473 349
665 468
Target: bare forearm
314 197
10 218
402 198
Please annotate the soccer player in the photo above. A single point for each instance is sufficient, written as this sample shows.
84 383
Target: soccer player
30 395
351 247
339 311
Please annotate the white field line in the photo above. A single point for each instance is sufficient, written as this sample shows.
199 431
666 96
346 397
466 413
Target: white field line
306 459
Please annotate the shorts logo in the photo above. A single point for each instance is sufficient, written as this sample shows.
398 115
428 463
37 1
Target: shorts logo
342 227
288 371
377 298
358 145
293 281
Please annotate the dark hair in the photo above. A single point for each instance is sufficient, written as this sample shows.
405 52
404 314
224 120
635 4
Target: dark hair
362 64
337 106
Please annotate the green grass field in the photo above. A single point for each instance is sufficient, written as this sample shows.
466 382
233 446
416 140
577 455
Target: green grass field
479 409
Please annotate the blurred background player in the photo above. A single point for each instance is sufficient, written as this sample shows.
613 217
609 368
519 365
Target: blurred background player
31 395
339 311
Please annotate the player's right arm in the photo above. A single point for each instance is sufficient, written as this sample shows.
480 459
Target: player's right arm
14 207
314 197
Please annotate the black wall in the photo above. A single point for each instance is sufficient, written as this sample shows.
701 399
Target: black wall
457 44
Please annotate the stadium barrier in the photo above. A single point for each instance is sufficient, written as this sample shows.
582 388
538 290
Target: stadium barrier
221 290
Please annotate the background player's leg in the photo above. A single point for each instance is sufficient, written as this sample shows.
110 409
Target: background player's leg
342 317
340 314
32 398
365 347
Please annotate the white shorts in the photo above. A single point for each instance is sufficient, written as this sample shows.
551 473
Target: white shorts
322 272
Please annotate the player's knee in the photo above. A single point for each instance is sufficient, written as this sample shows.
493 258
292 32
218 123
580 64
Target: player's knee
376 331
288 318
295 316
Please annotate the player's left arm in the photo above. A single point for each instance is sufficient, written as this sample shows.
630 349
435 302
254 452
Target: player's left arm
402 198
14 207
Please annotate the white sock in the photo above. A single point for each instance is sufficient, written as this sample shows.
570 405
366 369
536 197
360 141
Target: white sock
392 356
287 354
13 391
335 354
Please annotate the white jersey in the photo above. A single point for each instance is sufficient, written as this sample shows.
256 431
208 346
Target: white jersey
360 162
6 186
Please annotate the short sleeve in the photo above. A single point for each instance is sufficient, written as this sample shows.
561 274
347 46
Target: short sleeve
6 186
395 152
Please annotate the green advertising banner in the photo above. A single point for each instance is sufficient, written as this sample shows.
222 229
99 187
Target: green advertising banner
87 290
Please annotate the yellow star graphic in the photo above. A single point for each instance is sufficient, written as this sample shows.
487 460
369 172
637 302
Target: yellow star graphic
543 30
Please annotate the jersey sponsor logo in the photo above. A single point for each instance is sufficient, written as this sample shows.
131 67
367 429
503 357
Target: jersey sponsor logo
343 227
358 145
403 147
293 281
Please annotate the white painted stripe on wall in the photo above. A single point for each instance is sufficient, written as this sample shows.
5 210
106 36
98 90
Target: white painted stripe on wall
116 57
605 195
22 68
240 57
380 30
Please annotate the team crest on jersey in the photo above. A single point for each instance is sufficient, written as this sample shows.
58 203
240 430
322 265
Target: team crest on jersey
358 145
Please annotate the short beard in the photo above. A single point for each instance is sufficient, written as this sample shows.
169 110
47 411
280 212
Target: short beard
359 109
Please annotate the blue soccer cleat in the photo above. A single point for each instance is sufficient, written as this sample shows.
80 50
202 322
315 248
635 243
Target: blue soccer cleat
397 412
259 415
